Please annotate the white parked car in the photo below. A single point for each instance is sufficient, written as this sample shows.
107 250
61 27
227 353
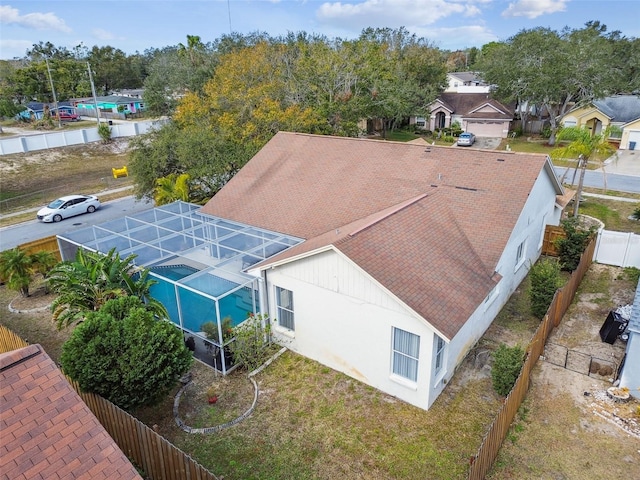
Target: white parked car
68 206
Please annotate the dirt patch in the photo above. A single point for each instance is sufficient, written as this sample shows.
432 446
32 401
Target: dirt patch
39 299
38 177
233 395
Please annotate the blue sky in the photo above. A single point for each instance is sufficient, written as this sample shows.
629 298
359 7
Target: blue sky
135 25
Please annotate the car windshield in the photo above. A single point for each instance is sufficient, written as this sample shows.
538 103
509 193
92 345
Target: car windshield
55 204
465 135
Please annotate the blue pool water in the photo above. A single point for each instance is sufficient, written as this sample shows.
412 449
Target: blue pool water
198 309
174 272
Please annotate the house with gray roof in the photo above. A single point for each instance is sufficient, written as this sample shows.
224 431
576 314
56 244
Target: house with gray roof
621 112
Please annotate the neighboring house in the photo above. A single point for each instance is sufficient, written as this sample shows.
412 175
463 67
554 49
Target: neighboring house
465 82
477 113
630 376
38 110
622 112
111 103
46 430
408 253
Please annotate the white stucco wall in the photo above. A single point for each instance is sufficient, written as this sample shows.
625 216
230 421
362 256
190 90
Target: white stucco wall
344 320
630 377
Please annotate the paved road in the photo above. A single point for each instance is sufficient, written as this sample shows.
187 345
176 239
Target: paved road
596 179
15 235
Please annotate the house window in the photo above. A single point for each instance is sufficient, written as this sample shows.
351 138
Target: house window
284 301
406 347
492 295
520 254
439 345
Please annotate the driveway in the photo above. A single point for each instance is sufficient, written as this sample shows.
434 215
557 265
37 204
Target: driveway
486 143
624 162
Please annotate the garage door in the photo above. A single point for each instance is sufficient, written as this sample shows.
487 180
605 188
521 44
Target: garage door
634 136
487 129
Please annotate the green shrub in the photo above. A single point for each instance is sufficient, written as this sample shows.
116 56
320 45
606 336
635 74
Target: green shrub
571 247
545 280
104 130
124 354
252 341
636 213
507 363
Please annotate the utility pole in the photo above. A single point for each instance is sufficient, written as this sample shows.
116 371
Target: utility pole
53 90
582 164
93 91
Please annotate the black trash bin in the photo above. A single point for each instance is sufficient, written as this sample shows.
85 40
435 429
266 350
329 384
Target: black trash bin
613 326
110 122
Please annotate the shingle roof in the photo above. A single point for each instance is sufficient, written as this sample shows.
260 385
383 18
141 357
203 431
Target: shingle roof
465 104
46 430
428 223
620 108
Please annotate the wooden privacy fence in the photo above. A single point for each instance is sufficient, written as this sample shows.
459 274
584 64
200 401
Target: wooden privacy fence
482 462
48 244
551 234
159 459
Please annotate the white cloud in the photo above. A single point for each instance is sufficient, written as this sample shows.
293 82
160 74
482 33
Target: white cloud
14 48
457 38
36 21
534 8
388 13
102 34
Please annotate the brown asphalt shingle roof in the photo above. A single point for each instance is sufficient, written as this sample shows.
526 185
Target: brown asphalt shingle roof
428 223
46 430
465 104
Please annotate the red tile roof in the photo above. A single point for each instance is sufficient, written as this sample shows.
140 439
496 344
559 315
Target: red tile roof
46 430
428 223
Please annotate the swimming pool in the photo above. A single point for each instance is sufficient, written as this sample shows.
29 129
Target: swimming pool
197 309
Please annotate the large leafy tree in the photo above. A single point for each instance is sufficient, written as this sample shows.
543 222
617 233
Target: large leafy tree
112 70
125 355
197 150
92 279
552 70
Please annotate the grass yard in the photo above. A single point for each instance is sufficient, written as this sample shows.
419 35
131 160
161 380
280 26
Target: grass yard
33 179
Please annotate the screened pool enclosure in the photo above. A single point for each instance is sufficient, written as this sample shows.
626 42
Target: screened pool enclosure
199 262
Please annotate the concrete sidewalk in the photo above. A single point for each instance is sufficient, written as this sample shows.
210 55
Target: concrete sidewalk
35 209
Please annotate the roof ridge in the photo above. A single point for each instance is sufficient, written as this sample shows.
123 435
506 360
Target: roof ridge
387 212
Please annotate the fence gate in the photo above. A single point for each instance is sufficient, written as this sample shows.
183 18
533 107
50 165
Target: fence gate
579 362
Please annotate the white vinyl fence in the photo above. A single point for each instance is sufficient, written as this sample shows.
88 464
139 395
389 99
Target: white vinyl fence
29 143
618 248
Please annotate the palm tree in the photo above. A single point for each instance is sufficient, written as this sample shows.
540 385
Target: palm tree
583 146
16 270
171 188
43 262
92 279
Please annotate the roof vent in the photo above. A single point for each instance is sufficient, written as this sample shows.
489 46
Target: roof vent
501 159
